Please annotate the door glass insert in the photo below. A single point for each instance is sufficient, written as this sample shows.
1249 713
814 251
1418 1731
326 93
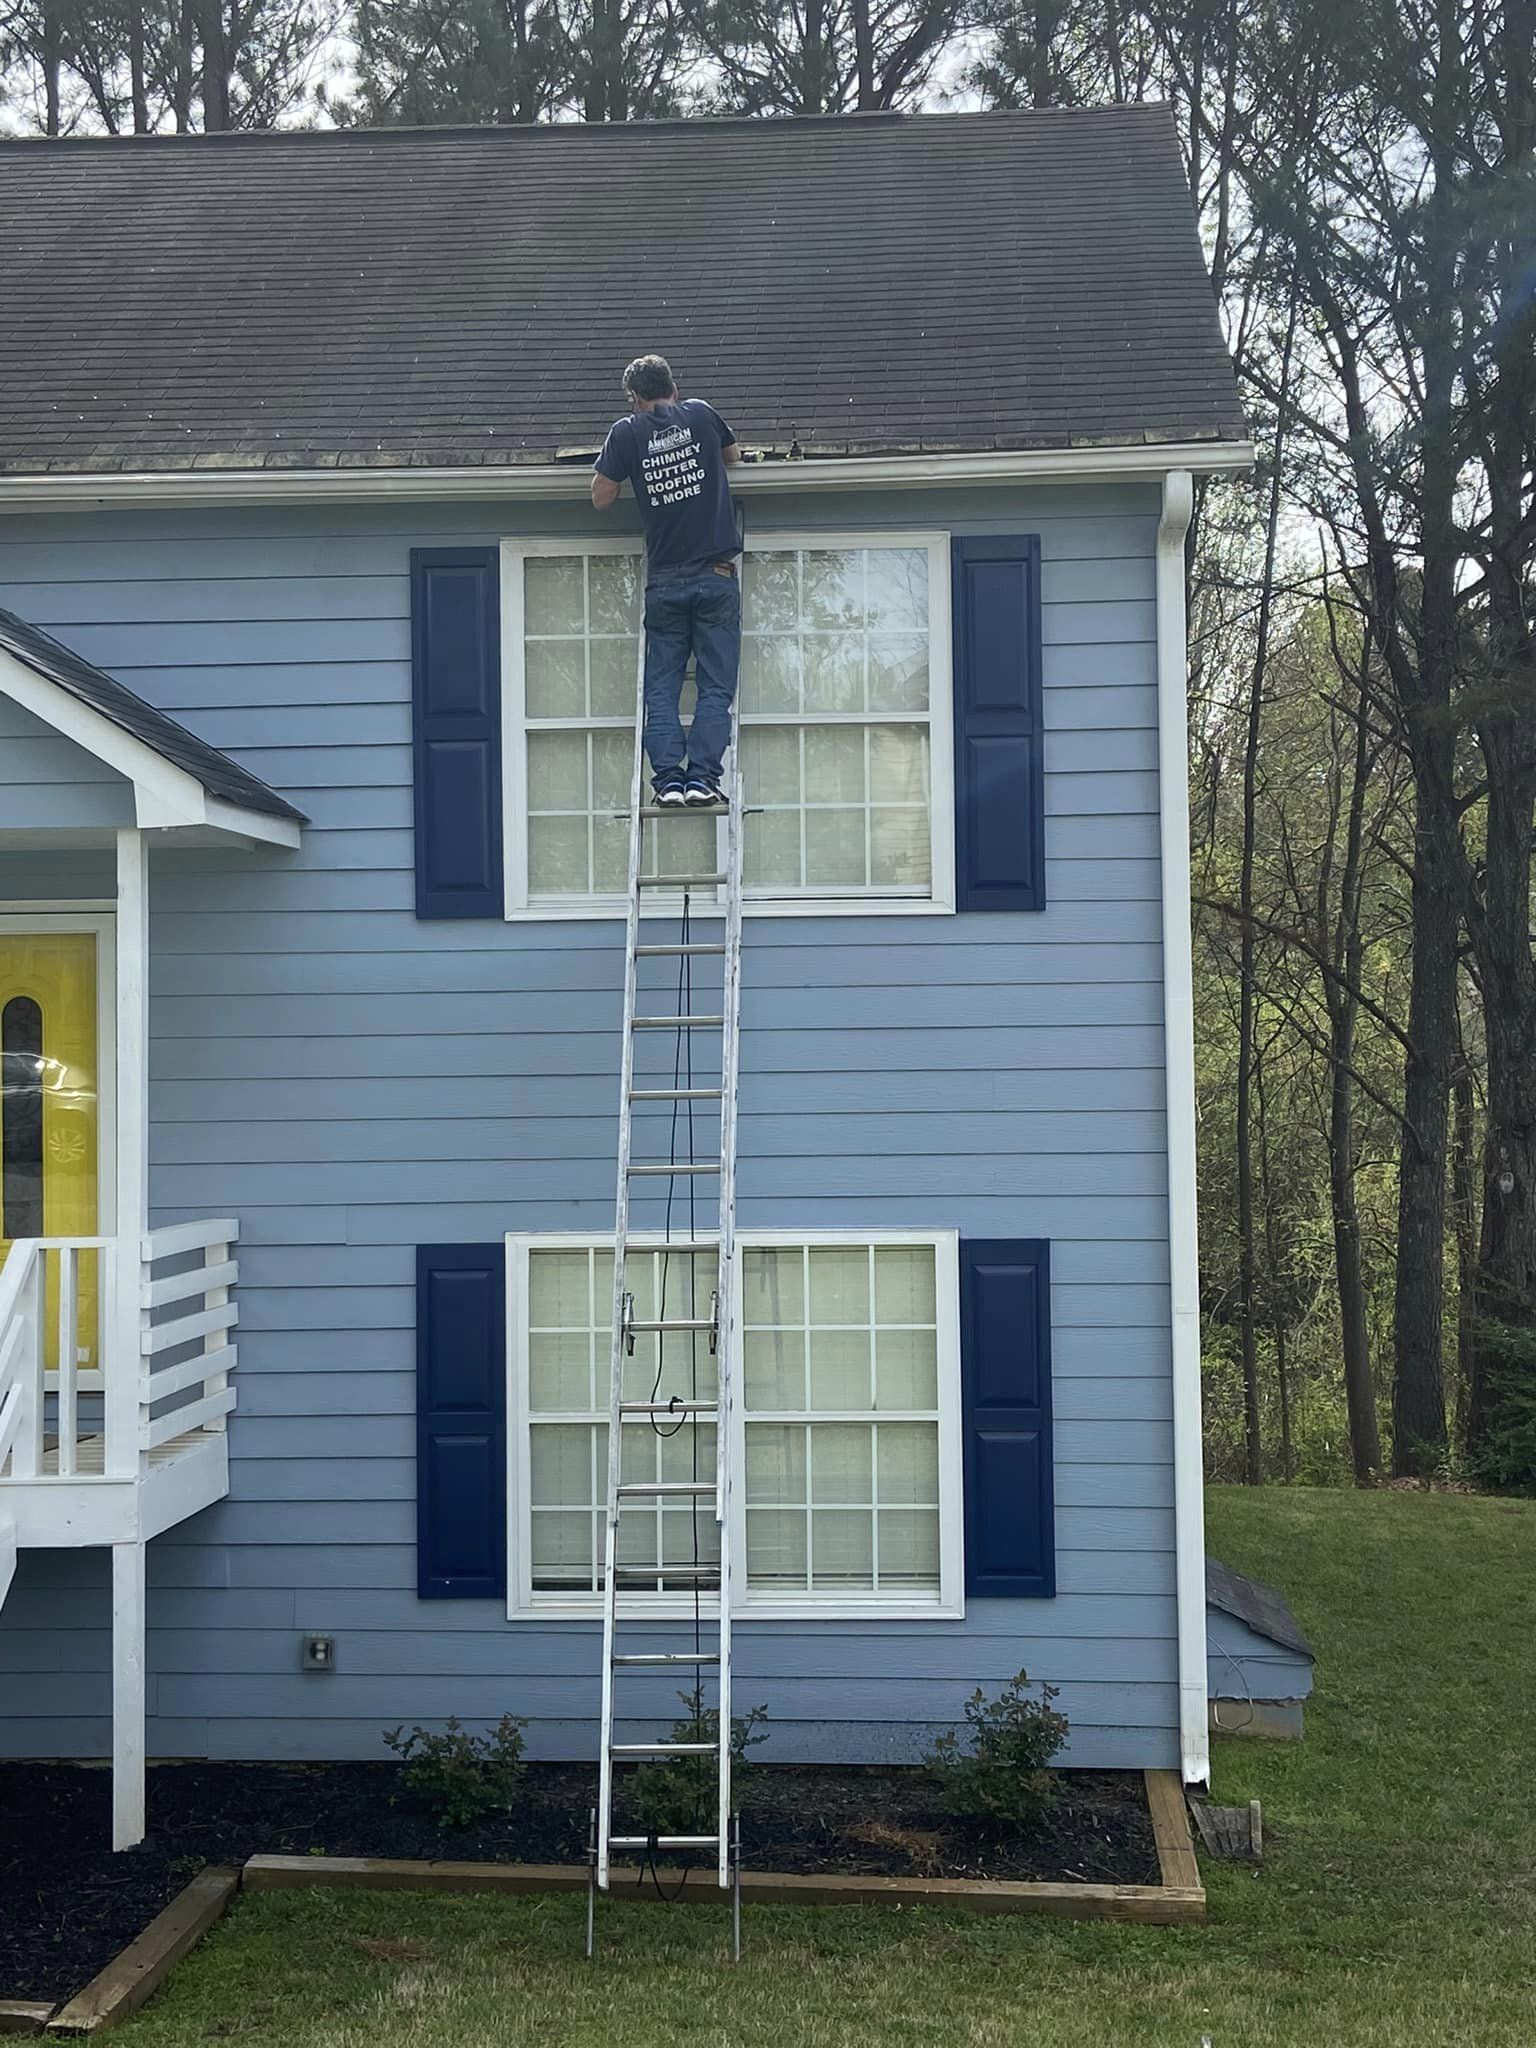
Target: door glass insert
21 1155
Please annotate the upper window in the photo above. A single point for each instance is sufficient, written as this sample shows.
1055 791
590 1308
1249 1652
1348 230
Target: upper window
844 717
848 1417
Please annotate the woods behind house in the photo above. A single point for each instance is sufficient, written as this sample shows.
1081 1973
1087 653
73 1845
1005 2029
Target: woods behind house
1363 721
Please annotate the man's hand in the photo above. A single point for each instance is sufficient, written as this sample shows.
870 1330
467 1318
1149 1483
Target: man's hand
605 491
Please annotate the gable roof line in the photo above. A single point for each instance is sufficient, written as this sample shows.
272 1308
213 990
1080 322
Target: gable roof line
1144 461
677 124
178 780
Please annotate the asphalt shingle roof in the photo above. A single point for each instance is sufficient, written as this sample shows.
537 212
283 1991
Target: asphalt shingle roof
1265 1609
869 284
218 774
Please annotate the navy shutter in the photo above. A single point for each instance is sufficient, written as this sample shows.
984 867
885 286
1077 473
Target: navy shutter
1005 1358
461 1421
999 764
456 727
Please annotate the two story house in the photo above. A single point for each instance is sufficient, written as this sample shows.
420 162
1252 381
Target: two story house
316 702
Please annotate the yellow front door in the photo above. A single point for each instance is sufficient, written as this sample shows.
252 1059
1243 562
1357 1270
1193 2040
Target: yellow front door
49 1109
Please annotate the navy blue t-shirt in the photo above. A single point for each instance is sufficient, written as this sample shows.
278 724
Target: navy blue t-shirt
672 457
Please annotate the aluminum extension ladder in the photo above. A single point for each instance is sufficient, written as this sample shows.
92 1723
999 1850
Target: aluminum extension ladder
700 1405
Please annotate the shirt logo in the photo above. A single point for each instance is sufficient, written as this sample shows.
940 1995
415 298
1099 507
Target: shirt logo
672 468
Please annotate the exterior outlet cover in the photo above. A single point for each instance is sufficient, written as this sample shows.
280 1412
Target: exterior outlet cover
317 1653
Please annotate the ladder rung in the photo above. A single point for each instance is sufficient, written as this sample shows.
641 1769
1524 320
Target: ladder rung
664 1170
679 1244
672 952
680 881
664 1841
665 1408
679 810
677 1094
662 1748
697 1021
635 1489
668 1657
678 1323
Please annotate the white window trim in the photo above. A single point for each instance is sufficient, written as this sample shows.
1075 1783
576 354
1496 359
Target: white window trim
941 766
948 1604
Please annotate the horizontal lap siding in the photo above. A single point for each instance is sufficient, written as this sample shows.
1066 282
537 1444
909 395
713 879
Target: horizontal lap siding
47 782
1241 1664
350 1083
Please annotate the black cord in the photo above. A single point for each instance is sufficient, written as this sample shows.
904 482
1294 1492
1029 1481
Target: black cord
684 998
649 1867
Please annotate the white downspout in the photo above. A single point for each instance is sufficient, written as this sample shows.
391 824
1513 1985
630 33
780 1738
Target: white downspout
1179 1068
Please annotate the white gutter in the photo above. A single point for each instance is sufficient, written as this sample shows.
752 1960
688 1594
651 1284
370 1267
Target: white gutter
1179 1069
1146 462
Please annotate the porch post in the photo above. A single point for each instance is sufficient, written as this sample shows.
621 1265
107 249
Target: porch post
123 1360
127 1694
130 1219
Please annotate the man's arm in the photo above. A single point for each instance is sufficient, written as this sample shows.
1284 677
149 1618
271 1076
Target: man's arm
730 453
611 467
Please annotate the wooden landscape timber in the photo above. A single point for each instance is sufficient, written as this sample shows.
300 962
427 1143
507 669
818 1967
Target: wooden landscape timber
142 1967
1178 1901
1170 1827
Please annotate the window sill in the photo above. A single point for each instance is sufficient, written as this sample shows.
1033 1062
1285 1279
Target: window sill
600 909
674 1612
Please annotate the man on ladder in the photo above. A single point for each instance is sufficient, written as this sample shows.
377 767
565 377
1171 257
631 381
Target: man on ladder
675 451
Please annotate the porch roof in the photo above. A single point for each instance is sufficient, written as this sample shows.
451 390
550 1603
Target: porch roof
178 779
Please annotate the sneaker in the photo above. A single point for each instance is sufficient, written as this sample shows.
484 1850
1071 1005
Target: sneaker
703 792
668 789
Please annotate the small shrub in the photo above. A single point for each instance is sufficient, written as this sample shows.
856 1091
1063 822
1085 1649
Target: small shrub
458 1777
998 1774
677 1795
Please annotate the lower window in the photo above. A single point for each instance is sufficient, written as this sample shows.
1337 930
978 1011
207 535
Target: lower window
847 1493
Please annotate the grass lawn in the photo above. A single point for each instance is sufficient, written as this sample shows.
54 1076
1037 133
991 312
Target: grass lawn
1397 1903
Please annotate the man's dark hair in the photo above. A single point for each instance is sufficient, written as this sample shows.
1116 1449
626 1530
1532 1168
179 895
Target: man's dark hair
649 377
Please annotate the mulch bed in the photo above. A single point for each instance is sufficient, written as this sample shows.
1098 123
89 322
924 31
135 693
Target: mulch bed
68 1904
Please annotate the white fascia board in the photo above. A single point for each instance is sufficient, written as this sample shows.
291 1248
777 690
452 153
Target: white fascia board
1146 461
258 826
165 797
1179 1080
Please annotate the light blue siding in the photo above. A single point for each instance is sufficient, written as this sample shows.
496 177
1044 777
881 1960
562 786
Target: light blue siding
351 1083
47 782
1241 1664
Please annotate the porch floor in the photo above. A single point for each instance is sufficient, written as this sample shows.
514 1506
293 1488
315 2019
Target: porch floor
90 1453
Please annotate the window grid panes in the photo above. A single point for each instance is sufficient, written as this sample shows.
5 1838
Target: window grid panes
840 1400
836 714
570 1336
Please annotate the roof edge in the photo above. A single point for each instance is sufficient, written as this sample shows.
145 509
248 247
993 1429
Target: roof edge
873 117
169 792
1141 461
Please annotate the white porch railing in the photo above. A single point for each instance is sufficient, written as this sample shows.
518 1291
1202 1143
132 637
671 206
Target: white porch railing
188 1334
61 1417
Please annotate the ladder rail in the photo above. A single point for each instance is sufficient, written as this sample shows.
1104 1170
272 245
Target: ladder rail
620 1247
726 1309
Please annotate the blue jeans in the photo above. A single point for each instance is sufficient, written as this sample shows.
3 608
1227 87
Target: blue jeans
697 612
